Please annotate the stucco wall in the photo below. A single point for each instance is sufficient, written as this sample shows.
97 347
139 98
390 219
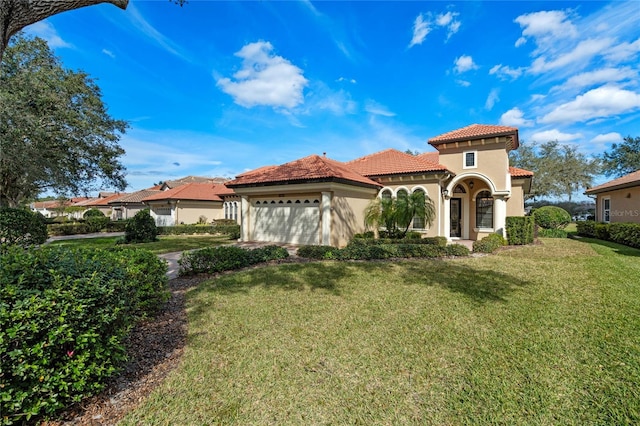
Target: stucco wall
347 215
625 205
515 204
491 160
189 212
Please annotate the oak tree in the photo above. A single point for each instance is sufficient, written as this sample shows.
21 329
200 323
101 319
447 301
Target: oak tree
623 158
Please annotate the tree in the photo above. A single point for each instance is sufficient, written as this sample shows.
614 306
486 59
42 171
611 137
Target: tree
17 14
55 132
560 170
21 227
396 214
623 158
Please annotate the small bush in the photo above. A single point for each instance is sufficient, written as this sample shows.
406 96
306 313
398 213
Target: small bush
602 231
22 228
551 217
317 252
92 213
412 235
366 235
520 230
552 233
457 250
226 258
202 220
586 228
489 244
141 229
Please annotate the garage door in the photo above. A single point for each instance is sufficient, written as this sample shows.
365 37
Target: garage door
294 222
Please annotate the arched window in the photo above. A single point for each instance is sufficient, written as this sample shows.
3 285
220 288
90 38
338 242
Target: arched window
402 193
484 210
418 222
226 210
386 194
235 211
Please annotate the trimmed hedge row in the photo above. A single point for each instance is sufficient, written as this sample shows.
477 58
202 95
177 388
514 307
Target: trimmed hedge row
520 230
92 224
233 231
225 258
622 233
438 241
489 244
64 316
359 249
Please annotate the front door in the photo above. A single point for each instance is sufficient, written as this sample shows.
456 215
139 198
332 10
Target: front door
456 224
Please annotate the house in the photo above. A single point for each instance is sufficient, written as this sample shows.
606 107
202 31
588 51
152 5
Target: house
100 203
126 206
618 200
55 208
317 200
192 202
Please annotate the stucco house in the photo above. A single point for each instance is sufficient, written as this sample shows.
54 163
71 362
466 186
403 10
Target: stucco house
317 200
126 206
187 203
618 200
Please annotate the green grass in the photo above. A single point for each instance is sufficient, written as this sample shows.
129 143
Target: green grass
539 335
165 243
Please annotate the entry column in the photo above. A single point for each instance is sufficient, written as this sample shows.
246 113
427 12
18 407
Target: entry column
446 223
325 215
244 219
500 211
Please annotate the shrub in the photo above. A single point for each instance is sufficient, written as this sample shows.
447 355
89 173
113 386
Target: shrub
602 231
225 258
367 235
625 233
551 217
63 319
92 213
586 228
412 235
141 229
317 252
520 230
233 230
97 223
457 250
552 233
202 220
489 244
68 228
22 228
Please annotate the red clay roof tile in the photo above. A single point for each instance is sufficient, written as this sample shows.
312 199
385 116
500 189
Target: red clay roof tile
516 172
198 191
626 181
474 131
391 162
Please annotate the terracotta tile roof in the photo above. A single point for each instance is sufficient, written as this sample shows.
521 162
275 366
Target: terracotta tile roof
474 131
199 191
51 204
311 168
96 202
194 179
626 181
135 197
516 172
431 157
391 162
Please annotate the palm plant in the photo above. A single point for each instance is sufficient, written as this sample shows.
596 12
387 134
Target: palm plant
396 214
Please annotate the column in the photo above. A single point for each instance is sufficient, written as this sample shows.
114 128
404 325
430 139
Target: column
325 214
244 219
446 216
500 216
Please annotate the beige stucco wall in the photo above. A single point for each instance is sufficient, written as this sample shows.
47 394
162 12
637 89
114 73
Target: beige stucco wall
492 161
189 212
347 215
624 207
515 204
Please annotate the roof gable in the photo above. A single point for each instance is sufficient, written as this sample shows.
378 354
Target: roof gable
195 191
474 132
392 162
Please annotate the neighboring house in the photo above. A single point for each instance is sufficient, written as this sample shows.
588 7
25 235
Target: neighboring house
187 203
126 206
100 203
316 200
55 208
618 200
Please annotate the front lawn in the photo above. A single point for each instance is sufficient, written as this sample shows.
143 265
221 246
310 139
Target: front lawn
544 334
165 243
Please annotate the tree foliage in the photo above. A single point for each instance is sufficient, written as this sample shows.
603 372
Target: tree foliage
396 214
21 227
560 170
623 158
55 132
141 229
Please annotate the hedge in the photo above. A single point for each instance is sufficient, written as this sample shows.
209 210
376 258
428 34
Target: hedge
361 249
520 230
622 233
233 231
64 317
225 258
21 227
552 233
489 244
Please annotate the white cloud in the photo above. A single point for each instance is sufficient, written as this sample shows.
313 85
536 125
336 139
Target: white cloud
464 63
425 23
607 137
603 102
515 117
265 79
579 56
46 31
373 107
349 80
545 27
492 99
623 52
598 77
421 29
505 72
555 135
142 25
463 83
109 53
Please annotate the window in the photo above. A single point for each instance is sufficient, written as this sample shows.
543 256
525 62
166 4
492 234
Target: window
235 211
418 222
469 160
484 210
606 209
386 194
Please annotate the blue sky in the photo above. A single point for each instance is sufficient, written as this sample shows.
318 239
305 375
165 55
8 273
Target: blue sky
215 88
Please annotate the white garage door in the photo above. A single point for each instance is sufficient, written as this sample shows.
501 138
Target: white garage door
286 223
